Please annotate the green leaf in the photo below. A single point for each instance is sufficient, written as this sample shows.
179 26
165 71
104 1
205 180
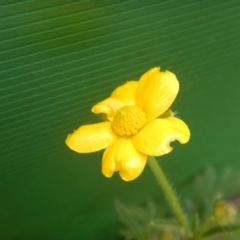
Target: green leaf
229 182
165 223
195 222
126 216
205 183
217 230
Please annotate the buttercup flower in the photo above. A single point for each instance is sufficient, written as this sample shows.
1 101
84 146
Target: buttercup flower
139 123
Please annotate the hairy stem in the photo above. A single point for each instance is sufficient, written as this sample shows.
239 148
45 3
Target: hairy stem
168 192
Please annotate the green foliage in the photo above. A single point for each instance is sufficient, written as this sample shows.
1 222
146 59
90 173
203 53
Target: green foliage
224 230
151 222
145 222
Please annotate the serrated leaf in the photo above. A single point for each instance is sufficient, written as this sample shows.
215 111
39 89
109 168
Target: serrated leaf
125 215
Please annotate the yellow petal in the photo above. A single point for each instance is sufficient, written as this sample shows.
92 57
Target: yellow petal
91 138
123 157
108 106
156 92
126 92
155 137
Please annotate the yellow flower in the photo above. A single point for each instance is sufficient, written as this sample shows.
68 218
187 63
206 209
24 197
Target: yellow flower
139 123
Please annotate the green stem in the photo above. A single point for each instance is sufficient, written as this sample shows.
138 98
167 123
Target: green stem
168 192
206 225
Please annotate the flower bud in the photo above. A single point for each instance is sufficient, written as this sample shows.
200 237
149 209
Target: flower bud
224 213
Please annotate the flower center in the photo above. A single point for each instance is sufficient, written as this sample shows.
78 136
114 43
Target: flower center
128 120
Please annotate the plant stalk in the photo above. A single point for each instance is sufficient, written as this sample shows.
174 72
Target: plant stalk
169 193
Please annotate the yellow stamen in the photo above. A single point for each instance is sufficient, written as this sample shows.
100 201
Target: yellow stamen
128 120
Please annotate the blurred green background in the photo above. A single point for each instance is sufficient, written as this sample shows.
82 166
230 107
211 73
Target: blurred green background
60 57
